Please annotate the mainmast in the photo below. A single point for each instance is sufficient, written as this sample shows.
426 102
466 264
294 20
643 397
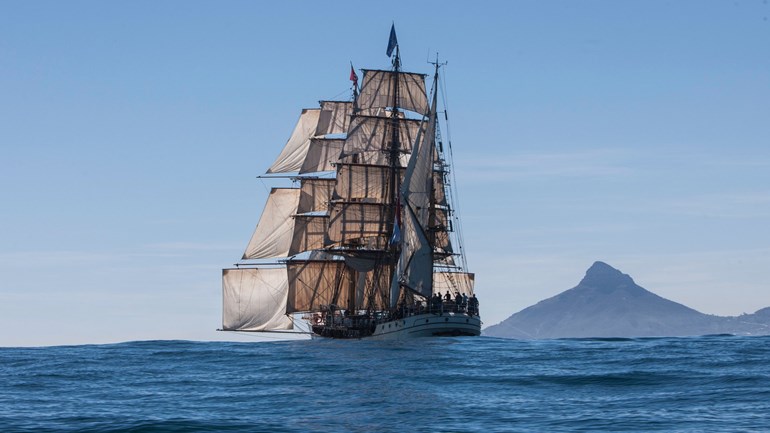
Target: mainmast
395 149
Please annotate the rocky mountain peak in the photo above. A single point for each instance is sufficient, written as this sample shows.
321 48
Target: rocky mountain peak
607 303
602 275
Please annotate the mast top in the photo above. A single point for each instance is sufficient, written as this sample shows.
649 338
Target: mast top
437 63
393 44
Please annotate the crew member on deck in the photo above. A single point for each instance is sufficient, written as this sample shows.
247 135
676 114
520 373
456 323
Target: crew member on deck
473 305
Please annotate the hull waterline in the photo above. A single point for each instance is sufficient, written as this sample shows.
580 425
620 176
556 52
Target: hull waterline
421 325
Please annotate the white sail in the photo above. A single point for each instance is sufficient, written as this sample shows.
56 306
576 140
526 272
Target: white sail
415 265
439 193
315 194
378 88
377 157
453 282
359 181
443 245
372 281
273 235
334 117
374 134
293 154
322 154
309 233
354 221
315 283
255 299
417 189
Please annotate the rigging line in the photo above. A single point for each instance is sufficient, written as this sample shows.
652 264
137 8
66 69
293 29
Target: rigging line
334 98
458 221
450 192
264 185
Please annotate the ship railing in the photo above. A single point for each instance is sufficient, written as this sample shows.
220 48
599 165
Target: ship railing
439 308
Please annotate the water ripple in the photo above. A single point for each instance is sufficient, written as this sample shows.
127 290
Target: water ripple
713 383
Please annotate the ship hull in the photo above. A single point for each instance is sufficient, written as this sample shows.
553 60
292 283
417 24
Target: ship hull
428 325
420 325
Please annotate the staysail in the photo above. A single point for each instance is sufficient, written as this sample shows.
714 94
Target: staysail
272 237
293 154
415 264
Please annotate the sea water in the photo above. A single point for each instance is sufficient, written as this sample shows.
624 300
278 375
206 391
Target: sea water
703 384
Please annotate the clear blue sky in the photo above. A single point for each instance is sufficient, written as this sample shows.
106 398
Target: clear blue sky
131 133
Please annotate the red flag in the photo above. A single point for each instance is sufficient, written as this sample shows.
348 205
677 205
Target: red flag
353 76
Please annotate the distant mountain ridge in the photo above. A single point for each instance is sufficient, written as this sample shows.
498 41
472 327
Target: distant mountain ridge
608 303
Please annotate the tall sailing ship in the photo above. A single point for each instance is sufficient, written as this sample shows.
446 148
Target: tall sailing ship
366 243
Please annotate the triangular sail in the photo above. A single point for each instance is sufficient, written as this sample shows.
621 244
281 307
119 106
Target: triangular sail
273 235
415 265
293 154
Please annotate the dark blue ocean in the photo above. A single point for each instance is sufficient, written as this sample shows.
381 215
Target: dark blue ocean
704 384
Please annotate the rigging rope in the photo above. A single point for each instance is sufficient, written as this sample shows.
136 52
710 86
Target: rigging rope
456 199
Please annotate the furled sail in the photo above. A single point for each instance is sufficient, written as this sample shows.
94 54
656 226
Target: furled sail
255 299
293 154
273 235
378 90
